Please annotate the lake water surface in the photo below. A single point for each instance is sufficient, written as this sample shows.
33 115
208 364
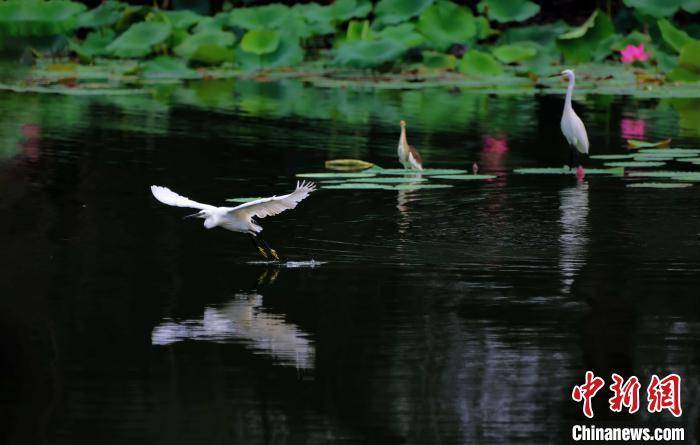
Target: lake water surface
456 315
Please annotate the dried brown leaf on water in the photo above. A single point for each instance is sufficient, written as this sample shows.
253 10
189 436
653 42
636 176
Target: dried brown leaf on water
348 165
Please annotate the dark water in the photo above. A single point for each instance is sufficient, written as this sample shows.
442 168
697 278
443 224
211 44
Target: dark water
461 315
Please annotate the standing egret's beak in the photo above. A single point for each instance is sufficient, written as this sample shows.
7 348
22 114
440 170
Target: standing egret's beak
556 75
194 215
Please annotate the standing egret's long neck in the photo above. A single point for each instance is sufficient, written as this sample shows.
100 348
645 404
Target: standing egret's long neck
569 91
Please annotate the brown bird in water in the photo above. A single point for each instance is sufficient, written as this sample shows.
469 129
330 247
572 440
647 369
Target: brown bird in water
408 156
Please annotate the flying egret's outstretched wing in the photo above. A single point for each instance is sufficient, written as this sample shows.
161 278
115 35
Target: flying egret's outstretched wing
274 205
169 197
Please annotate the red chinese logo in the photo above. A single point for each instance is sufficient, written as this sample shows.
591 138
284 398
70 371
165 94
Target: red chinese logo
626 394
662 394
586 392
665 394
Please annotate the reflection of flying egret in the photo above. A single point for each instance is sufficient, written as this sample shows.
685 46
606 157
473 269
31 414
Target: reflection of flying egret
244 319
571 125
408 156
240 218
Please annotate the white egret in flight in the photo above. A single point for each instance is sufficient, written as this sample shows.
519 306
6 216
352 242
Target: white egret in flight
571 125
408 156
240 218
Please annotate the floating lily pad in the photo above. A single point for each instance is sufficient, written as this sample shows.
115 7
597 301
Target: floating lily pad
358 186
659 185
420 186
695 160
633 143
611 157
636 164
653 158
334 175
568 171
241 200
348 164
686 176
426 172
388 180
674 152
464 177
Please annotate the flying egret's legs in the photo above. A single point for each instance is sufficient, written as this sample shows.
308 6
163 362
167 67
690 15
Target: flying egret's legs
270 250
259 248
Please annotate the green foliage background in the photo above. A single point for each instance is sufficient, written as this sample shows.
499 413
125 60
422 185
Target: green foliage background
486 39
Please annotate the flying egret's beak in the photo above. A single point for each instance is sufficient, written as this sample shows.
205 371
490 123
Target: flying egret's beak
194 215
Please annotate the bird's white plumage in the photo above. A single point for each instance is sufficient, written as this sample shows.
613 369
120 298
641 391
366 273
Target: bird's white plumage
237 219
275 204
574 130
572 125
167 196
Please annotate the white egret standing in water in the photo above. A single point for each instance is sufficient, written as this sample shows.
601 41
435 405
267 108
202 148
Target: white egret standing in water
239 218
571 125
408 156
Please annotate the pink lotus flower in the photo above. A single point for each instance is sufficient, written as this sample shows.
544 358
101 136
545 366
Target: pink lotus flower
633 53
633 128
